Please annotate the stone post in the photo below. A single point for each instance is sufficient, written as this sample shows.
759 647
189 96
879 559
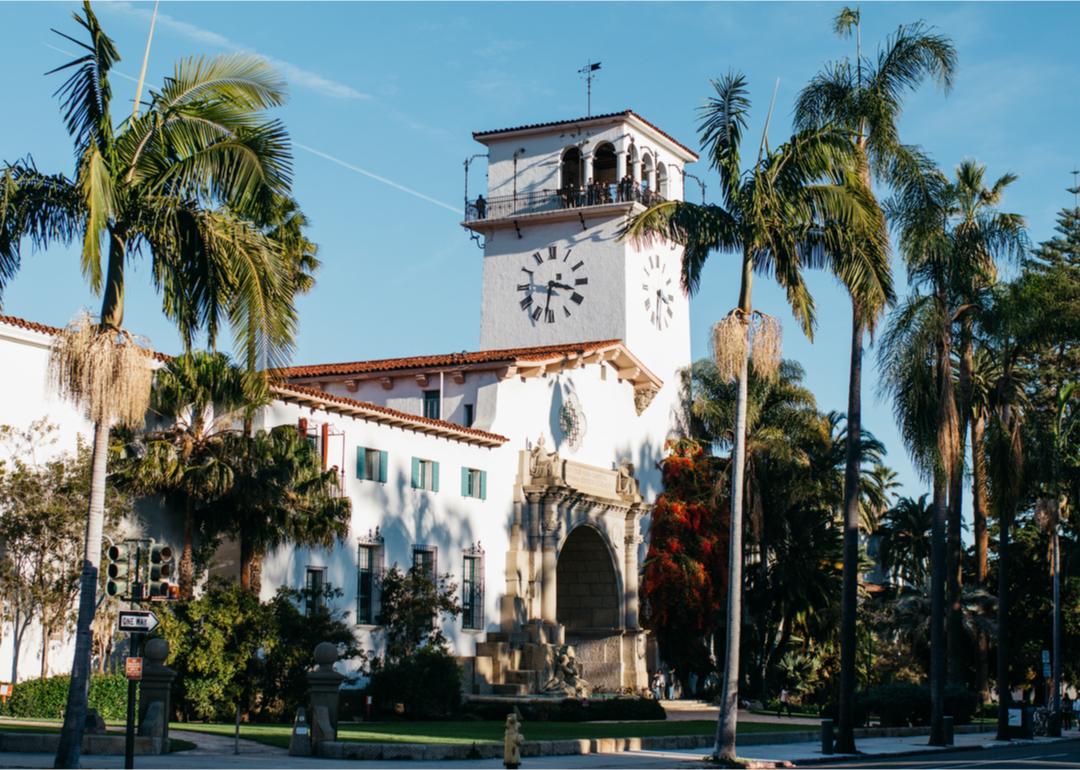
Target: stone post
630 578
324 691
548 566
156 687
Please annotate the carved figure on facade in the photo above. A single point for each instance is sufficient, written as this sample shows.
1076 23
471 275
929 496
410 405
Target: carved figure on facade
566 678
626 484
544 464
643 396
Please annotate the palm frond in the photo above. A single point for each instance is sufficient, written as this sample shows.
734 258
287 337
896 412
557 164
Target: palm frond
723 121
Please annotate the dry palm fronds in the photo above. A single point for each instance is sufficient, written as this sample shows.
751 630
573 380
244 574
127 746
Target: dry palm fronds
765 345
729 345
106 371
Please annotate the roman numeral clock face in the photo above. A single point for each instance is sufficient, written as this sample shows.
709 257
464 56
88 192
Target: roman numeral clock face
553 285
658 290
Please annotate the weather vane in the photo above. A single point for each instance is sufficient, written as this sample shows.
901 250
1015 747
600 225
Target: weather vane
589 72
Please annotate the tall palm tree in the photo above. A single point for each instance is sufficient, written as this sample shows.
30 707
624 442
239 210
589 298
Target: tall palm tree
176 181
950 237
279 493
775 217
983 235
865 98
198 399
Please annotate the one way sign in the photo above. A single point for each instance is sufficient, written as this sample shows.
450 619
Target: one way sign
141 621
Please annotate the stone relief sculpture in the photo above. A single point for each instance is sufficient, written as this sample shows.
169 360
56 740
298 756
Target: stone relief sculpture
544 464
565 678
626 484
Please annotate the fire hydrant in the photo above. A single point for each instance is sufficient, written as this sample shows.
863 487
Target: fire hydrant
512 741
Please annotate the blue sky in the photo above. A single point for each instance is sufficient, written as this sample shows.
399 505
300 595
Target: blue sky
384 98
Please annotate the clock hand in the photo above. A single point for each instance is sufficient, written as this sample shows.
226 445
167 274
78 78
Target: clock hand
557 285
548 301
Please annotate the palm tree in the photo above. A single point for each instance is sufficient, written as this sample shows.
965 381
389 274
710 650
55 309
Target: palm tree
775 216
865 98
950 237
905 541
279 493
176 181
198 398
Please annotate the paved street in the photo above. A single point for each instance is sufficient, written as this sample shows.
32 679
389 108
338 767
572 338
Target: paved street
1038 755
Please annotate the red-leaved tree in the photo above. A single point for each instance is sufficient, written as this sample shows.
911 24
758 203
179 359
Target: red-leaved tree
685 577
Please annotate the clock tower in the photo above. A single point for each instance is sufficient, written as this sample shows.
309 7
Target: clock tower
555 269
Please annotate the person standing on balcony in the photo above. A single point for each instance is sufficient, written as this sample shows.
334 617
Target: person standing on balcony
481 207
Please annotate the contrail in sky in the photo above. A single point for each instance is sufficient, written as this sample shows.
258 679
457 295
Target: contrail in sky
377 178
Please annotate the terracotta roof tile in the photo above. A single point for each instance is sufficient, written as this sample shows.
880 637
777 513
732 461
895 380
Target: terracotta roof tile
509 355
34 326
360 408
552 124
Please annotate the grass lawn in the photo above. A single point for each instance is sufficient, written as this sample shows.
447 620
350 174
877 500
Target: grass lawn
53 726
484 732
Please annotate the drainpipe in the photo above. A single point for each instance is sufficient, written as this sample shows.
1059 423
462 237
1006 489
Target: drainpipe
325 434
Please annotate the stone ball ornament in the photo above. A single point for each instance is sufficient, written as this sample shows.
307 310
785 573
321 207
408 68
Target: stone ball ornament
326 654
156 650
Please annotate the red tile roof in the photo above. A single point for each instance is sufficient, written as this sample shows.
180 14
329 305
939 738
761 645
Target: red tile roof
384 414
537 354
623 114
34 326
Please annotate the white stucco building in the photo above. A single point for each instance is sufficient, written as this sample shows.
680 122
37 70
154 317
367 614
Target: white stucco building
525 469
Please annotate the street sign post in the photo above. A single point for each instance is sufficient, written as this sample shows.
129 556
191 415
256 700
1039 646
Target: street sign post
137 621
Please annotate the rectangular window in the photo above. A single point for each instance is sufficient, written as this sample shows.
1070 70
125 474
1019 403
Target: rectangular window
432 404
367 560
314 585
467 420
423 559
474 483
425 474
371 464
472 593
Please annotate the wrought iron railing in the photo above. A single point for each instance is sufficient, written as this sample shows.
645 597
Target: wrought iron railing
536 201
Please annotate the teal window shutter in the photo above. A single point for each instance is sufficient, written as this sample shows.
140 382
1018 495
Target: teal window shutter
483 485
416 473
464 482
383 458
361 459
434 477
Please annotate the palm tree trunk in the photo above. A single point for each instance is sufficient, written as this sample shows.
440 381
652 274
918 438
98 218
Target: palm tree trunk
724 749
187 559
937 611
982 539
70 748
1003 691
112 303
845 742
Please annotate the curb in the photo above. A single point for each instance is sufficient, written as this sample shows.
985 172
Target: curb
824 760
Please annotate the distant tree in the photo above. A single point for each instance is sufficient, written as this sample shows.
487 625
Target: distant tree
411 604
905 541
684 579
42 523
279 494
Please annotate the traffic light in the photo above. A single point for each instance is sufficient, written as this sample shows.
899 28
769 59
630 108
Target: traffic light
118 569
161 571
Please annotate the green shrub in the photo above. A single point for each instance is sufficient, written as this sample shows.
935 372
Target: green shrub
47 698
427 682
572 710
903 704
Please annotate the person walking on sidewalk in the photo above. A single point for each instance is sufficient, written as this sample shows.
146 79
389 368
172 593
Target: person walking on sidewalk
785 702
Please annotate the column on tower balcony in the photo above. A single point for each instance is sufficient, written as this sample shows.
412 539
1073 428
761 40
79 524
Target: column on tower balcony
587 162
652 176
549 563
620 165
630 579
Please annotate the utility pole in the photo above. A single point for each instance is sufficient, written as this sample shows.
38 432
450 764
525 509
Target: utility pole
589 72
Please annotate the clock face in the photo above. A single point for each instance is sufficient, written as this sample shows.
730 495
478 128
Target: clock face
658 292
552 284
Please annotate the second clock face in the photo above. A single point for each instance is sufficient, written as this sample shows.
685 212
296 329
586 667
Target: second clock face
552 284
658 292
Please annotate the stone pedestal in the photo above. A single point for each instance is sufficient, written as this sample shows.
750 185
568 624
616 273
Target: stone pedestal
324 692
156 687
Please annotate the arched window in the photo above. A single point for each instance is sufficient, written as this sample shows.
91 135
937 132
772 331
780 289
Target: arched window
661 180
570 169
646 170
604 164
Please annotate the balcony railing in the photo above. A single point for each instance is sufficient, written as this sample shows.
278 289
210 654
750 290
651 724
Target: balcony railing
537 201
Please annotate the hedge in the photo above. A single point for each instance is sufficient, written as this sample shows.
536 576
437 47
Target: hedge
47 698
572 710
903 704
